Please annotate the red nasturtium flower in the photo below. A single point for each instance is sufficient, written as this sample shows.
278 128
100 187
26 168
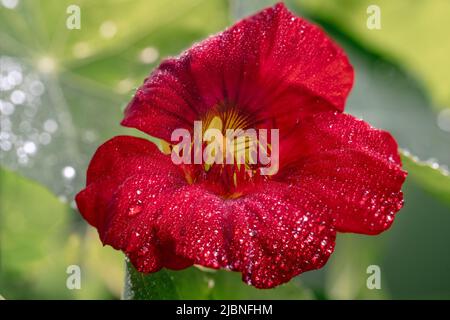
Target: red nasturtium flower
337 173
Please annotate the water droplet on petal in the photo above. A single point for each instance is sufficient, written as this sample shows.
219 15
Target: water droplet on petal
134 210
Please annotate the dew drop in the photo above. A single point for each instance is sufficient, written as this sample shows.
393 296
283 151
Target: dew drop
149 55
108 29
68 172
10 4
30 147
50 125
18 97
134 210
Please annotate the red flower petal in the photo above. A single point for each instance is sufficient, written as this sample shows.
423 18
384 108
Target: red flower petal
197 221
109 167
273 67
133 216
354 168
125 179
265 235
280 234
253 234
124 155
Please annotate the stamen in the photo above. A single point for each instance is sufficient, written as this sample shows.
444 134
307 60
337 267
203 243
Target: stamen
232 163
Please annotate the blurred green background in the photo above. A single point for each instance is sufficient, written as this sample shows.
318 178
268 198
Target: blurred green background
62 93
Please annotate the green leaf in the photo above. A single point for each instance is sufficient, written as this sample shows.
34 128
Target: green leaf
93 76
158 286
33 222
429 175
202 283
38 243
413 35
346 275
